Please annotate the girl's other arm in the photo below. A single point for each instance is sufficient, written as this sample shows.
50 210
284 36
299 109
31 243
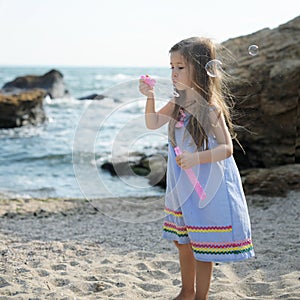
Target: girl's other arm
223 137
224 149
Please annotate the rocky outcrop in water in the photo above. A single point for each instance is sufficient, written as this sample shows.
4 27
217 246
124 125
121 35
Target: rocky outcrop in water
52 82
267 89
23 108
92 97
21 100
153 167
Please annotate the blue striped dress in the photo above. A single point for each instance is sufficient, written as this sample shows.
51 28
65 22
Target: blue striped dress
218 227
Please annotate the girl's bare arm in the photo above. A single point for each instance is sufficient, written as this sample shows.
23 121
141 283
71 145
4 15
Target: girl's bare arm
155 120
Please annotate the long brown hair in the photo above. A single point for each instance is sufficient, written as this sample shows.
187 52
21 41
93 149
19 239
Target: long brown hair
208 91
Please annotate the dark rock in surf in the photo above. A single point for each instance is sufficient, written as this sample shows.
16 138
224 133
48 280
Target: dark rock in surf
23 108
52 82
92 97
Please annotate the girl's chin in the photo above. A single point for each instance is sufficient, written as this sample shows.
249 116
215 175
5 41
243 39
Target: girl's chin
181 87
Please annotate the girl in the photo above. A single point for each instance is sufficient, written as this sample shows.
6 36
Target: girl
216 229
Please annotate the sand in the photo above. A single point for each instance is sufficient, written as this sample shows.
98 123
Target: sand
67 249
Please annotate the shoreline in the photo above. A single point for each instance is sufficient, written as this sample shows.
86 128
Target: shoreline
67 249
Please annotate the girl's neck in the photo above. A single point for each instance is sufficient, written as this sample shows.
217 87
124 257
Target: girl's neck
189 97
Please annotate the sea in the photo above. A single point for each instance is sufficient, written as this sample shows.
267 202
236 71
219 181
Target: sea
62 157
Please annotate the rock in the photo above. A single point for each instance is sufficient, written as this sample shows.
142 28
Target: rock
152 167
52 82
21 109
124 166
266 87
276 181
157 168
92 97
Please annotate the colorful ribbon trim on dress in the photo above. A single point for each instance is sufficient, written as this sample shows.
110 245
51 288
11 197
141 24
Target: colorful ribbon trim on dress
222 247
173 212
183 230
209 228
173 228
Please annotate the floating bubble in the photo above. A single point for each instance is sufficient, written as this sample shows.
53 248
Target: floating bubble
214 68
253 50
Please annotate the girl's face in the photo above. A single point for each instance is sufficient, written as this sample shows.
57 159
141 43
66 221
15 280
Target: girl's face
180 72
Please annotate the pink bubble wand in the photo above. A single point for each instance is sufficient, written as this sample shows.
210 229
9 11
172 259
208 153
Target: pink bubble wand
193 179
148 80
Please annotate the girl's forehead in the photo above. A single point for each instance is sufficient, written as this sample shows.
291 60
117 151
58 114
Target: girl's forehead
176 58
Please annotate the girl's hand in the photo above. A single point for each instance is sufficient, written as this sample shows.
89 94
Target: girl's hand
186 160
145 89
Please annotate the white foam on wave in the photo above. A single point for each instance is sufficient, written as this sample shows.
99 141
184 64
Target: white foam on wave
117 78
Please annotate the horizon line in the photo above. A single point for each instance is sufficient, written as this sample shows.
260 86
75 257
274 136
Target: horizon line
76 66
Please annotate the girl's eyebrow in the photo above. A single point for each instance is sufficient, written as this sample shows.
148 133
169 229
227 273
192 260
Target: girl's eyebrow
177 63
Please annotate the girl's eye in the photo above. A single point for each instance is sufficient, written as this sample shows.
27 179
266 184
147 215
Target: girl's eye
180 68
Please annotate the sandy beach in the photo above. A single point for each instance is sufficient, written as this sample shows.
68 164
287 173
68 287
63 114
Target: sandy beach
112 249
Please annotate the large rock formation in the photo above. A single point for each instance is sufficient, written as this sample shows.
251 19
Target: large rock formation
23 108
267 89
52 82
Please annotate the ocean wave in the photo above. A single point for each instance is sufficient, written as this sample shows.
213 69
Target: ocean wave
37 160
120 77
23 132
59 158
41 193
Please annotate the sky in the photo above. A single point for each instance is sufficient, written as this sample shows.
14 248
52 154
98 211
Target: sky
129 33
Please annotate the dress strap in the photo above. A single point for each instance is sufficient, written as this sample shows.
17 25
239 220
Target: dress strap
212 108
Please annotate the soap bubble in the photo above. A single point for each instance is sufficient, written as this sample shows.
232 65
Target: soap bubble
253 50
214 68
175 94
